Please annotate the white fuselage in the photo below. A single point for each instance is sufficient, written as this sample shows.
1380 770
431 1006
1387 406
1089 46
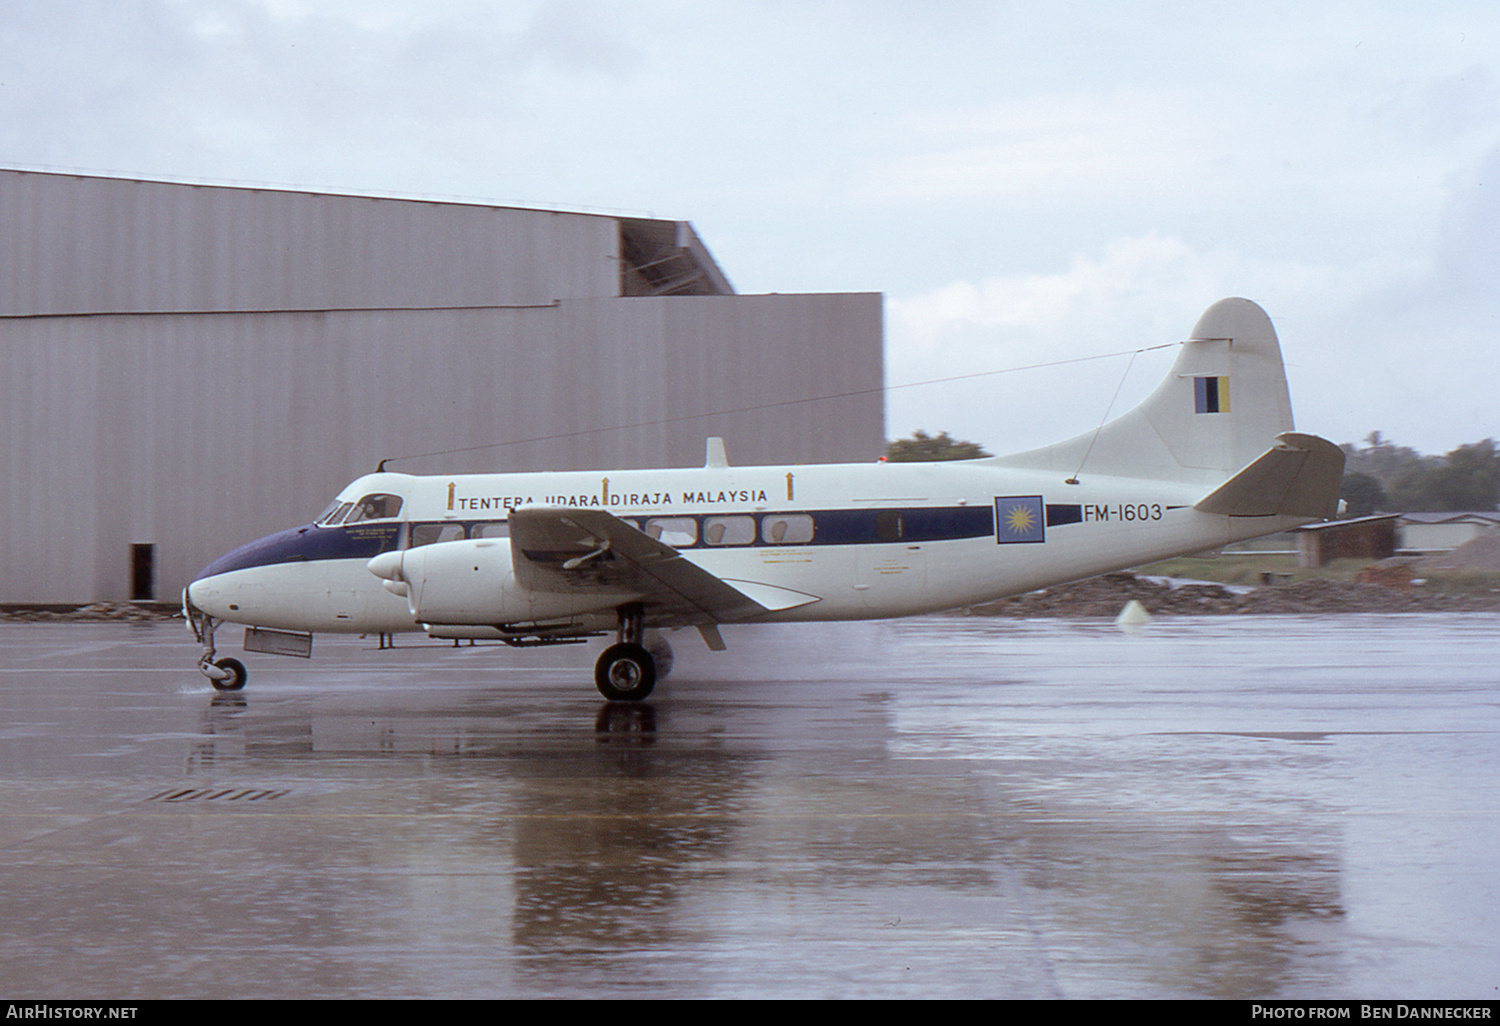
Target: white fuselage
863 540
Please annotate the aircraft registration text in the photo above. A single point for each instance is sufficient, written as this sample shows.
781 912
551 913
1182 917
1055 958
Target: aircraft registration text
1123 512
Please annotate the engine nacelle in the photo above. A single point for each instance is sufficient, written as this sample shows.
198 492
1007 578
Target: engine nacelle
470 582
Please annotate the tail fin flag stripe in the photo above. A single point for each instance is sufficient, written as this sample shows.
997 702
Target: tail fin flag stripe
1211 395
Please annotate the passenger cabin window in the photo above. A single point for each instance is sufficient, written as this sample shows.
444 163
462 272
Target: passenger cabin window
678 532
429 534
491 529
729 530
888 526
375 507
792 529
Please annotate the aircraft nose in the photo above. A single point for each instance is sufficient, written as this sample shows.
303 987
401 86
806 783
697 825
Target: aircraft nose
204 595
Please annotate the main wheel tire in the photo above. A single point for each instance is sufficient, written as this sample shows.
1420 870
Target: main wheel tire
236 678
661 653
625 673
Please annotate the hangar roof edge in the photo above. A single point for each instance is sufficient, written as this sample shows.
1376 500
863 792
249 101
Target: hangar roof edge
295 190
666 255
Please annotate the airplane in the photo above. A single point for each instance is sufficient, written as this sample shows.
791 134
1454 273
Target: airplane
1210 457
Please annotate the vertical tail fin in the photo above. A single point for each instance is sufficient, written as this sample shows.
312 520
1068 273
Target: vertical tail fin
1222 405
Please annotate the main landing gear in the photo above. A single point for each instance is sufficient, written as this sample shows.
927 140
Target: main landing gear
627 670
227 674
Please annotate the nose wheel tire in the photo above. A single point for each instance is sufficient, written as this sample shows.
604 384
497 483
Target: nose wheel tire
625 672
235 675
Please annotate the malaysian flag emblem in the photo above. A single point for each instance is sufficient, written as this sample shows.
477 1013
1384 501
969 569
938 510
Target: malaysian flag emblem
1019 518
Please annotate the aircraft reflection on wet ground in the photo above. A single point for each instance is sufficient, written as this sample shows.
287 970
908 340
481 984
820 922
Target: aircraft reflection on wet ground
1259 807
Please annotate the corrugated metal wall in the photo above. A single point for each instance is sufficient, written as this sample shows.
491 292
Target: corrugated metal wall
198 432
195 432
71 244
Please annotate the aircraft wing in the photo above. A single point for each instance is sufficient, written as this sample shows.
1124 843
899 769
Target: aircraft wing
561 549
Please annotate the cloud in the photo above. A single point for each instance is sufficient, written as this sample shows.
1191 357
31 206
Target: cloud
1037 146
1129 282
1022 306
1410 354
1135 293
1020 179
1442 109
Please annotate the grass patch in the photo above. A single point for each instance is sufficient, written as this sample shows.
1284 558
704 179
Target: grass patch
1248 568
1461 582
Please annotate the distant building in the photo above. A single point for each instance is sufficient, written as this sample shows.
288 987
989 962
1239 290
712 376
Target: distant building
1443 532
1387 534
1372 538
191 367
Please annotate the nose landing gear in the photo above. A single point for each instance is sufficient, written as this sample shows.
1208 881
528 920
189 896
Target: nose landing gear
227 674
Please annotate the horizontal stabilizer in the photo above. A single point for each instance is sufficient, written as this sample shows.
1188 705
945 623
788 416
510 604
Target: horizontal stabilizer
1300 477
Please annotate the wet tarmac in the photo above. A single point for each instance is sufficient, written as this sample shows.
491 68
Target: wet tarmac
1257 807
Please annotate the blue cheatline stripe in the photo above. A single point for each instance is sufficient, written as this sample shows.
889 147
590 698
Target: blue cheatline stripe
830 527
916 524
1064 513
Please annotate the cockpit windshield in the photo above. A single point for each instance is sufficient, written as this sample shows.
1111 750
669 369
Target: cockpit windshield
381 506
333 514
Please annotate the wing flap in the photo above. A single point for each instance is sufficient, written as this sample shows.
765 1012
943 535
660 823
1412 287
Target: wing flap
558 549
769 596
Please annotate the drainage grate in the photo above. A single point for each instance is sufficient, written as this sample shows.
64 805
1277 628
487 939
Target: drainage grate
212 794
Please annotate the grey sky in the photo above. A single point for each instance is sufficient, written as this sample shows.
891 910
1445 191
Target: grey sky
1025 182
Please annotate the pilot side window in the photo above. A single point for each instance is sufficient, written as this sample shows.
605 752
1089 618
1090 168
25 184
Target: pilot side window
787 529
678 532
375 507
729 530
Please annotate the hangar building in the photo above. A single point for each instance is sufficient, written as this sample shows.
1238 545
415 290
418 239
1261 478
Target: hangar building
190 367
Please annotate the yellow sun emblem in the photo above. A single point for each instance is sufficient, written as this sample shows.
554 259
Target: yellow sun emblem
1018 520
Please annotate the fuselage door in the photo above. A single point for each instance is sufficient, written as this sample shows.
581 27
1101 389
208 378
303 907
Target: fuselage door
891 574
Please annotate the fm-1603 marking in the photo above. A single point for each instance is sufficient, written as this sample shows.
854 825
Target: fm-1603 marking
1124 512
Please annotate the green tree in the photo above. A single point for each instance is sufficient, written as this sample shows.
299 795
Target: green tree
1386 462
924 448
1363 494
1468 478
